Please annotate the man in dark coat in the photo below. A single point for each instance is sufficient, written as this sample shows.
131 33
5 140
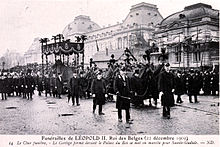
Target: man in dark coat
136 88
56 84
214 83
3 86
193 88
16 84
74 88
29 85
10 85
22 81
47 86
206 83
122 89
39 80
179 87
166 88
98 90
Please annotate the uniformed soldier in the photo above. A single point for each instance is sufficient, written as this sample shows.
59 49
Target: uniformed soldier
39 80
166 88
214 83
179 87
16 84
206 83
4 86
22 80
29 85
122 89
10 85
193 88
98 90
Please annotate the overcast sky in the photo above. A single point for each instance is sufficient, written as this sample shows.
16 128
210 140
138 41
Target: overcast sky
23 20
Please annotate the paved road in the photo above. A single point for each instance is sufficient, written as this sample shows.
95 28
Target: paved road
45 116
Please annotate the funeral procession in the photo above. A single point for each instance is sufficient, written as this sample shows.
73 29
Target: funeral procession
155 71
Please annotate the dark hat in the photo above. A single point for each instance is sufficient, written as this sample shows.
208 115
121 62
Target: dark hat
178 71
191 71
167 64
28 70
136 71
99 72
123 69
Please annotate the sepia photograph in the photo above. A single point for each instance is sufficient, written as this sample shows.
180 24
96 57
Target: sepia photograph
109 67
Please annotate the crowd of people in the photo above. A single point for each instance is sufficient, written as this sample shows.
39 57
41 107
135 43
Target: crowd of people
144 82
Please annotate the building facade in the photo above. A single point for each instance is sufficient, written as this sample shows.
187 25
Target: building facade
190 37
135 33
33 54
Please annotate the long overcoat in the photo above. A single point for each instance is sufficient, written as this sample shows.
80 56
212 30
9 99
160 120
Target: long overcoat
29 84
74 86
1 85
56 84
122 87
165 85
98 88
179 85
39 83
193 88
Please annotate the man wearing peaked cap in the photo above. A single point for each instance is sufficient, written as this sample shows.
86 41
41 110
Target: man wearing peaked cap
166 89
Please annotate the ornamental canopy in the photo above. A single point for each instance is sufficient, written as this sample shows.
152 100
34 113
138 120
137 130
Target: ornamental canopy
67 48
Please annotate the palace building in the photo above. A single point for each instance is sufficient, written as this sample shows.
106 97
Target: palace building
190 37
134 33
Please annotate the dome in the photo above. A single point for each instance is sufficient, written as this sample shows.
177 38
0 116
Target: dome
81 24
193 11
143 14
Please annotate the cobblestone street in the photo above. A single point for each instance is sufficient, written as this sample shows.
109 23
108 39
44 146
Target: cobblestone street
55 116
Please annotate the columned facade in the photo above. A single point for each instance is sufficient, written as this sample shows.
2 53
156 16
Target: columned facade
190 37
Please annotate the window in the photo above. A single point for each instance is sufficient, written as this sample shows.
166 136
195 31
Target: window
137 14
196 57
131 15
178 53
125 42
155 14
148 13
119 43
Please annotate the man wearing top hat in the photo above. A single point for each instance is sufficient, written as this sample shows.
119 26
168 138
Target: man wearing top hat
166 89
74 88
98 90
122 89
